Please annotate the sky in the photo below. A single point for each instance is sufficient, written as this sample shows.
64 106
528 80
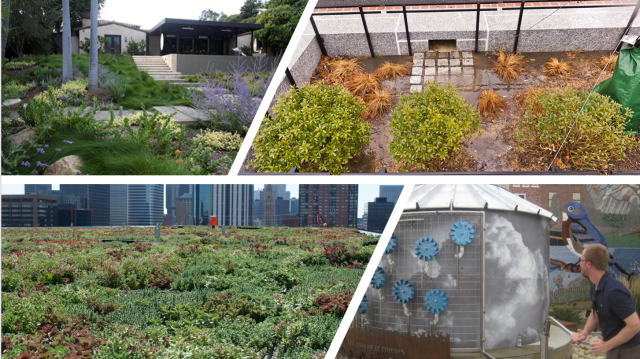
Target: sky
148 13
366 192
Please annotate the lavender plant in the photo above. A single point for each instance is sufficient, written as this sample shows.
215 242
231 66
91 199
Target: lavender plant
232 103
112 82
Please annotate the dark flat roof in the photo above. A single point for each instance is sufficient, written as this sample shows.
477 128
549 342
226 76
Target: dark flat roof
355 3
200 28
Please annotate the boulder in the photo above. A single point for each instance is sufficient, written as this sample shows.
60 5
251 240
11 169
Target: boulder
21 138
66 166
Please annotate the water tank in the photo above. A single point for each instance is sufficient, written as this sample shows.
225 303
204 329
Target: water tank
502 269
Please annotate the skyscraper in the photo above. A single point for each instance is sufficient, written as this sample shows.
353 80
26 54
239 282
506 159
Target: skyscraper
98 199
337 204
294 206
174 191
281 208
36 188
202 203
269 206
391 193
119 204
232 203
378 213
185 210
146 204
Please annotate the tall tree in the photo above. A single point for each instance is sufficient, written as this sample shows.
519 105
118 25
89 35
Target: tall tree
280 20
210 15
32 22
93 52
6 13
67 60
249 10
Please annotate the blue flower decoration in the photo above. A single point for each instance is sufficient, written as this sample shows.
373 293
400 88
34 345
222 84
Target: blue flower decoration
426 248
403 291
391 246
436 301
364 305
462 233
378 278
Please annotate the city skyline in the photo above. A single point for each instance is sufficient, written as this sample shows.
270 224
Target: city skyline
366 193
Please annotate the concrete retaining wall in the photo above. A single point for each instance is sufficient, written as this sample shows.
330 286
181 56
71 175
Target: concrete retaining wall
194 64
541 30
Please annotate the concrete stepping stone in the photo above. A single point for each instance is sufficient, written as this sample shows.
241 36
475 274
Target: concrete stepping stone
415 80
431 55
430 71
418 62
11 102
455 55
416 88
467 62
454 62
176 115
456 70
467 55
429 62
442 70
418 56
192 112
429 78
417 71
467 70
443 62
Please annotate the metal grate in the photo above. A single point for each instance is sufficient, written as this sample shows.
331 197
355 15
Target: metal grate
463 317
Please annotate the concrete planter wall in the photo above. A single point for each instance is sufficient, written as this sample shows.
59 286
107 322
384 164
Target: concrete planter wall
194 64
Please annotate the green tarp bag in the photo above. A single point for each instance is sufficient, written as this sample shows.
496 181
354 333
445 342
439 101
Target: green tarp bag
624 86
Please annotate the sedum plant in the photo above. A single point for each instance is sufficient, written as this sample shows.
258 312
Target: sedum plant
316 128
596 140
429 125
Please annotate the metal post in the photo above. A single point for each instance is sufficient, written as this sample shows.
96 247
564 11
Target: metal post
515 46
406 29
477 24
633 17
318 38
290 78
366 32
544 339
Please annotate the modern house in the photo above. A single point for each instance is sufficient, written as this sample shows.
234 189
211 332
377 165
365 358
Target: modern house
171 36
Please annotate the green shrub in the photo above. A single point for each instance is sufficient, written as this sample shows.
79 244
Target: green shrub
316 128
429 125
14 89
136 48
156 130
614 219
219 140
18 65
567 314
596 140
86 45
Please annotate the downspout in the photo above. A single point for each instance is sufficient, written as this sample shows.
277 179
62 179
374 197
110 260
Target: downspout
482 349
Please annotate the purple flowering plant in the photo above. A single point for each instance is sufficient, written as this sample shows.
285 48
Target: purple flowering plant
233 102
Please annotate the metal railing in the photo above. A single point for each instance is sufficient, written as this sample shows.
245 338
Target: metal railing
478 10
383 171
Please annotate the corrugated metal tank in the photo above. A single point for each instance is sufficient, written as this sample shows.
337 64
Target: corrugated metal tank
505 268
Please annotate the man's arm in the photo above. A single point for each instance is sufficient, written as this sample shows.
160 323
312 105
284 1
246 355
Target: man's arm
631 328
592 323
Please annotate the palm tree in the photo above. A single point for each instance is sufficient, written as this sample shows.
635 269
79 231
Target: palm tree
93 53
67 61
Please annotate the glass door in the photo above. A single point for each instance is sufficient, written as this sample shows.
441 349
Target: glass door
113 44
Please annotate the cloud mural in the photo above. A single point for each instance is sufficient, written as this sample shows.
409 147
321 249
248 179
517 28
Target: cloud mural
516 278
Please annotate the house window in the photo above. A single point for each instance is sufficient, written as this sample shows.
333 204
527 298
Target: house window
525 186
521 195
576 197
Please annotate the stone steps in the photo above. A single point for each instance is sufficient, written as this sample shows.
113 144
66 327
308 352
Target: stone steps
158 69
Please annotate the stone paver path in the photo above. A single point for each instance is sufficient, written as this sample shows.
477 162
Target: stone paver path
181 114
437 66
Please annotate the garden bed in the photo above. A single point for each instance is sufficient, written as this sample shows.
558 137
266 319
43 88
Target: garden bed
497 147
198 294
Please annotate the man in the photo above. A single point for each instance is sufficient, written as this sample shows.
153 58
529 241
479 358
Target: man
613 309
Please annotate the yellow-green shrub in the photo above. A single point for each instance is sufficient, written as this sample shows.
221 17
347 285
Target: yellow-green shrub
161 118
597 139
431 124
315 128
73 89
219 140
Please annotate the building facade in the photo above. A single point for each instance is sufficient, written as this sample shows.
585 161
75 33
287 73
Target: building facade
232 204
146 204
390 192
36 188
269 207
98 197
202 203
173 191
281 207
378 213
29 210
119 204
185 210
336 204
